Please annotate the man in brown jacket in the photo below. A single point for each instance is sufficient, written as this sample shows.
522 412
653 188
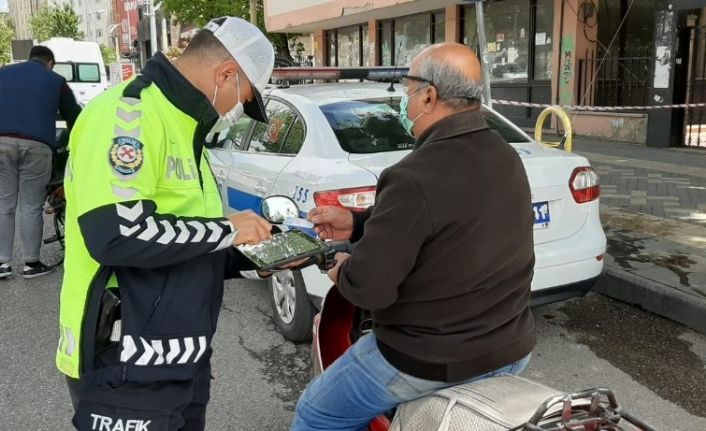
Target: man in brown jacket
444 260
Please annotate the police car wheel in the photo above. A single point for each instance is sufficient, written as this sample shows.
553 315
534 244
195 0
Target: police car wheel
293 312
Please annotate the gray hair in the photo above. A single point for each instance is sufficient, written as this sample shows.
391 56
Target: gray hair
453 88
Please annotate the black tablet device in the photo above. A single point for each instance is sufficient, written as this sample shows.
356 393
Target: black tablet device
283 248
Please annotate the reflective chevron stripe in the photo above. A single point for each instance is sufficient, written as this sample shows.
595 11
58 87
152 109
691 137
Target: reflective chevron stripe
183 232
169 233
200 230
151 352
188 350
173 350
165 232
227 240
216 231
202 348
67 342
128 116
159 350
151 231
130 214
129 349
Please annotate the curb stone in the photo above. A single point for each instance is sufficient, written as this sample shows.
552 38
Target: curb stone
663 300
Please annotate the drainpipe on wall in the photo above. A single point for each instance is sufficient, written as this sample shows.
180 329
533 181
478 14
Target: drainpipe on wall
558 63
480 22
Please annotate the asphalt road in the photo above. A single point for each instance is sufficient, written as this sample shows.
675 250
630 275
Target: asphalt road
656 367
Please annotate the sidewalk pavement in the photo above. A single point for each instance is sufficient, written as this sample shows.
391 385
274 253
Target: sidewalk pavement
653 209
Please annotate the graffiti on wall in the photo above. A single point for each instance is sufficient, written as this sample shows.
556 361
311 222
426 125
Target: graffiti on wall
566 90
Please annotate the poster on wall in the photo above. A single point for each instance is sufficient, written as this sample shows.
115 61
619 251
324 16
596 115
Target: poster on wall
540 39
128 19
512 55
663 66
663 53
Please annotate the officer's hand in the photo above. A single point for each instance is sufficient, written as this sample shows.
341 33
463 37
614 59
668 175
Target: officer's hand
252 229
332 223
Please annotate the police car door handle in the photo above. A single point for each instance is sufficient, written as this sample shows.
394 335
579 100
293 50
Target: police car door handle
261 190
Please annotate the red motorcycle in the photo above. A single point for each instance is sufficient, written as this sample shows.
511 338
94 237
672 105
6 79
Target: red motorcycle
505 403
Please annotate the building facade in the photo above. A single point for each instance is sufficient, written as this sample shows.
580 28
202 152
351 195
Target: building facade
525 39
568 52
96 18
21 12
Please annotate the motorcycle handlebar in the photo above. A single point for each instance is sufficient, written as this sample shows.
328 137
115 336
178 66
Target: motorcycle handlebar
342 246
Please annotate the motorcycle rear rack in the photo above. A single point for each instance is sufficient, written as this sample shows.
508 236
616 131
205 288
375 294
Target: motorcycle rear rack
599 410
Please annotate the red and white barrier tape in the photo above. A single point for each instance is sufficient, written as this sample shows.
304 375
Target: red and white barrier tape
599 108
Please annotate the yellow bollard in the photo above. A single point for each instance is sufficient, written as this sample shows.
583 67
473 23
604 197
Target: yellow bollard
566 142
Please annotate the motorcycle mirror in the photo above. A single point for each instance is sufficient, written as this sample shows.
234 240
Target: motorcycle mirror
275 209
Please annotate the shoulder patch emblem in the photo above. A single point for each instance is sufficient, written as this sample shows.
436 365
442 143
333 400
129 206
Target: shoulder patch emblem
126 155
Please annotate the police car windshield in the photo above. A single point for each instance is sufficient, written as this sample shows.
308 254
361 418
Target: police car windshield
373 126
368 126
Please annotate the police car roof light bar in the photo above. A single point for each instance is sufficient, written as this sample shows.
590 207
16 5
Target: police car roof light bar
337 73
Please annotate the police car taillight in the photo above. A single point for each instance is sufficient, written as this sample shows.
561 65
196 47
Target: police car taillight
584 185
354 199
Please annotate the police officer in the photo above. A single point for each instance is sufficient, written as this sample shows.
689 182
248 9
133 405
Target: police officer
148 246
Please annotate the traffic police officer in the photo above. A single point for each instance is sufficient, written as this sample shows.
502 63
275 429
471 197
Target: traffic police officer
147 244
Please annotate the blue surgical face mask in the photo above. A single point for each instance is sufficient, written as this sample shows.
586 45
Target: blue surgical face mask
404 118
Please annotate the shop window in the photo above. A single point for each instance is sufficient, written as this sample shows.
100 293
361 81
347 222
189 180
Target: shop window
386 43
349 47
348 41
412 34
510 33
507 36
543 40
367 47
439 34
331 39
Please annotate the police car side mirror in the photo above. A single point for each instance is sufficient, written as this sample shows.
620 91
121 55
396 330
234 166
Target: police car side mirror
275 209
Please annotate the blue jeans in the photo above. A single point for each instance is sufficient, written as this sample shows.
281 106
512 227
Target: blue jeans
361 385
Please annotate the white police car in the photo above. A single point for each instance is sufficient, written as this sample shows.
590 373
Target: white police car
326 144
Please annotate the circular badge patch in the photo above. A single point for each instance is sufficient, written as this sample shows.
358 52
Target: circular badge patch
126 155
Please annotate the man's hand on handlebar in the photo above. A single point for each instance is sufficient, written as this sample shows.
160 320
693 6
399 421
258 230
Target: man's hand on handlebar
289 266
333 272
332 223
252 229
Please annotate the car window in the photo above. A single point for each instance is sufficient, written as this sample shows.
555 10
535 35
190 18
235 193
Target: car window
88 72
270 137
66 70
295 138
503 127
234 138
368 126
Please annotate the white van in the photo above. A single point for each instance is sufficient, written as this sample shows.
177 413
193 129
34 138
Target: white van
81 63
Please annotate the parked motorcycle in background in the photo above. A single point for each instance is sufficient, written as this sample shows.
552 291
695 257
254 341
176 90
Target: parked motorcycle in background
504 403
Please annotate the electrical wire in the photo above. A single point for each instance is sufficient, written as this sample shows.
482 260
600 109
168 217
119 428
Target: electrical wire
600 64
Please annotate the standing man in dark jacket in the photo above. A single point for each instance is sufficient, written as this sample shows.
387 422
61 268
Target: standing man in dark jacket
444 259
30 96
